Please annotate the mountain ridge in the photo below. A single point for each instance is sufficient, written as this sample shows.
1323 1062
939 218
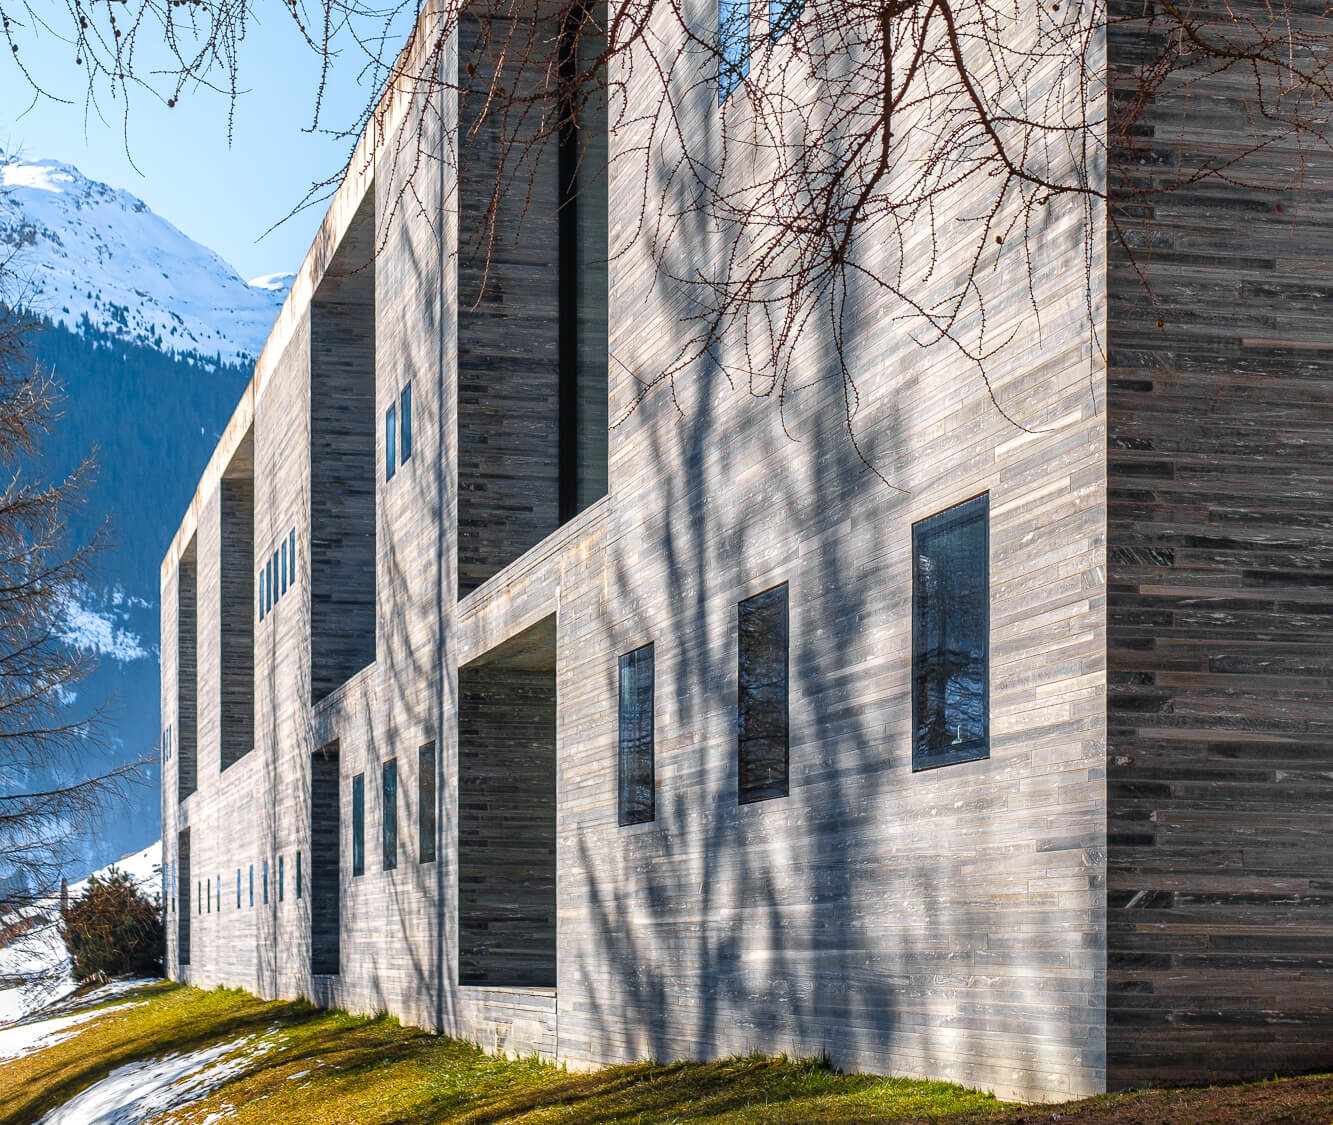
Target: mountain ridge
87 252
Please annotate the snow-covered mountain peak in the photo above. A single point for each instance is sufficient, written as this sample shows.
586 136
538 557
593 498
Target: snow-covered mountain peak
82 249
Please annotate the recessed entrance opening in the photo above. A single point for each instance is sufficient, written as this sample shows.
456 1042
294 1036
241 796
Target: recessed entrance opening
506 813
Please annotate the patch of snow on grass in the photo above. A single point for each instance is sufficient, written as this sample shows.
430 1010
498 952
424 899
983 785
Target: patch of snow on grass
34 1036
140 1090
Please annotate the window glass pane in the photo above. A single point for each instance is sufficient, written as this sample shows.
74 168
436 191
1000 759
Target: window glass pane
238 888
284 566
252 884
281 880
390 437
265 882
291 554
426 801
733 38
761 696
390 818
405 422
298 874
950 636
637 798
268 585
782 14
276 592
261 595
359 824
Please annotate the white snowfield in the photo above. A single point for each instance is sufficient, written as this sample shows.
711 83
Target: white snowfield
38 958
89 249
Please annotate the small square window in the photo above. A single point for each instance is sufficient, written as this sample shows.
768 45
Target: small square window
951 636
390 442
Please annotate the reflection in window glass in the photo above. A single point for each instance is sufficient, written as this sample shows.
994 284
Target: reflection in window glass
359 824
761 695
637 801
390 440
950 636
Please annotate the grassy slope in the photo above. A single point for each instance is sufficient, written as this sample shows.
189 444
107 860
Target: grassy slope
330 1068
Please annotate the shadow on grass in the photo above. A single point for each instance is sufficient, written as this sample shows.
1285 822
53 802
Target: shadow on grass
177 1022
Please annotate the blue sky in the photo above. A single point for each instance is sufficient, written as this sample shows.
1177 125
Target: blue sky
179 161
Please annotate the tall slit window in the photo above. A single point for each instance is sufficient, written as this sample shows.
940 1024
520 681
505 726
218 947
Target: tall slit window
284 566
405 424
359 824
390 814
761 696
951 636
238 888
262 590
782 15
426 801
298 874
252 884
636 783
390 442
265 881
281 879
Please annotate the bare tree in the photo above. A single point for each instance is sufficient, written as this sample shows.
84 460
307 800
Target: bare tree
909 151
47 794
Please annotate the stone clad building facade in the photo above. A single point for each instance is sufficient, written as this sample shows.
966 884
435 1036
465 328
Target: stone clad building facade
685 738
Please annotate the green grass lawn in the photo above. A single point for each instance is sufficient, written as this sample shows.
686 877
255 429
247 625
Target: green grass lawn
329 1068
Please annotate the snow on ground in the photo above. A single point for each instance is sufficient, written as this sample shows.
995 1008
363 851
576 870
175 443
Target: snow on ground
140 1090
38 1034
37 962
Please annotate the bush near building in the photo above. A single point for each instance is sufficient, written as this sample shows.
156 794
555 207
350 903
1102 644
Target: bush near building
113 929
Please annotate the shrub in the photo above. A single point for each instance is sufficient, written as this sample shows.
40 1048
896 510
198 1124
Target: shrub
113 929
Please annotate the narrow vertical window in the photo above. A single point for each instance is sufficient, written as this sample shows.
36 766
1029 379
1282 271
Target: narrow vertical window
359 824
252 884
298 874
405 424
291 553
265 881
208 893
173 886
426 801
198 897
782 16
390 814
761 695
219 894
951 636
637 797
284 566
262 589
238 888
281 880
733 45
268 600
277 593
390 440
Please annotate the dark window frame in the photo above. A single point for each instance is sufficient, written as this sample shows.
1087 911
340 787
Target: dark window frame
976 511
634 734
